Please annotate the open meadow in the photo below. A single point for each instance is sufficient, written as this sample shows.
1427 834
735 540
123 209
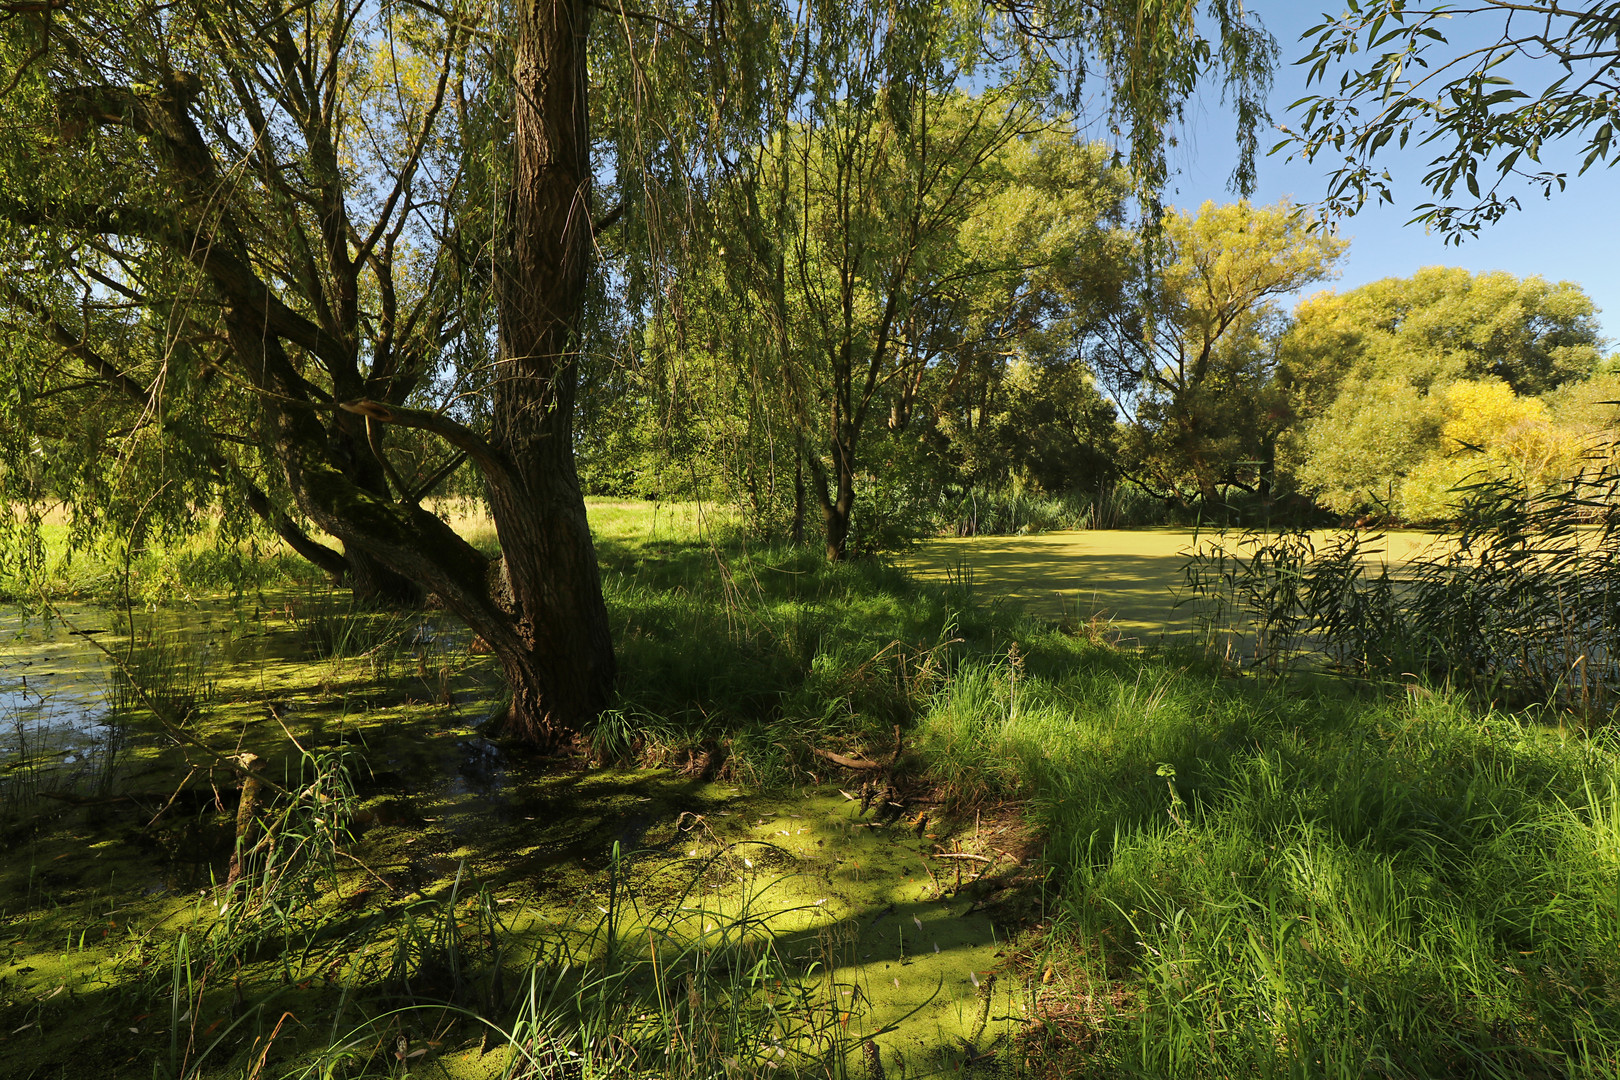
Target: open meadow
1131 583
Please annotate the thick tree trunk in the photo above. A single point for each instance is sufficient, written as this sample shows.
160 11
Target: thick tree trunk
1192 452
372 580
559 656
322 394
367 576
836 514
546 620
835 517
560 664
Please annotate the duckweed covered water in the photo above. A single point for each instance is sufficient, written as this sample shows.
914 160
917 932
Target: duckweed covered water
110 890
53 683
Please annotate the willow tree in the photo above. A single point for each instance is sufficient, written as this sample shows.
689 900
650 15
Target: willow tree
845 252
260 238
1485 86
311 257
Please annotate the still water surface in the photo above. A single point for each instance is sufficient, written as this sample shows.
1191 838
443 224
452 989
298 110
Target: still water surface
54 684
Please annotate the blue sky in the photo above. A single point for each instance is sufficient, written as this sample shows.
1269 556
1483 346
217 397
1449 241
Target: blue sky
1568 237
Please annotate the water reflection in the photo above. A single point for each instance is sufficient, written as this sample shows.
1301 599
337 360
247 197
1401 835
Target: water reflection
53 682
60 693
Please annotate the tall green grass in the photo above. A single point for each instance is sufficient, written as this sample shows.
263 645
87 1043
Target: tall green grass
1284 877
156 573
765 652
1005 512
447 984
1287 880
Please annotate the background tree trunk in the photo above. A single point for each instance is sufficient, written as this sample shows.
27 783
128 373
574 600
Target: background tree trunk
836 495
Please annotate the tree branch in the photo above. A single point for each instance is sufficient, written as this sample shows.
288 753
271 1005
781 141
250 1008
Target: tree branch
463 438
439 476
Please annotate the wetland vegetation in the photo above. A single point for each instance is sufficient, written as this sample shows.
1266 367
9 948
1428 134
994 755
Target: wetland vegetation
1052 856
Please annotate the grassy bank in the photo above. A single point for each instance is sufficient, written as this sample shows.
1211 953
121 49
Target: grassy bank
1296 880
1168 870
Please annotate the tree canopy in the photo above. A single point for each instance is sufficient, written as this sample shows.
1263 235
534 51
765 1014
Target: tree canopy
1193 378
215 205
1441 324
1385 377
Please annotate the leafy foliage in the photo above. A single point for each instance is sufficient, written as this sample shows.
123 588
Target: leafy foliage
1196 380
172 178
1419 383
1486 84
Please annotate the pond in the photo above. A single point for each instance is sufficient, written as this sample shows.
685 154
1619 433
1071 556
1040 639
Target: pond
894 913
1131 580
53 682
58 702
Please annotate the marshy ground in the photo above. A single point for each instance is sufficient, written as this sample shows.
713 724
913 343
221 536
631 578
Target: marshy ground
893 909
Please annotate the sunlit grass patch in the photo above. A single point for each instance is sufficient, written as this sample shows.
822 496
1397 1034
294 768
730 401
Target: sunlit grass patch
770 652
1131 581
1288 879
195 568
639 521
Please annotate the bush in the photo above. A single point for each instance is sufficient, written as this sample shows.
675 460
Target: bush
1519 611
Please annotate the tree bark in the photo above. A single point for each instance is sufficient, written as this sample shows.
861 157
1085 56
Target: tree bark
559 656
836 494
545 619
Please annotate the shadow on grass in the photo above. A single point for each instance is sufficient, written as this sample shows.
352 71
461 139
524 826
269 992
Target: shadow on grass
492 884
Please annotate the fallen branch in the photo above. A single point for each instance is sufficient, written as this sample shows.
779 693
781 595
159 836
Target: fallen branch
958 855
939 890
849 762
863 764
389 885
